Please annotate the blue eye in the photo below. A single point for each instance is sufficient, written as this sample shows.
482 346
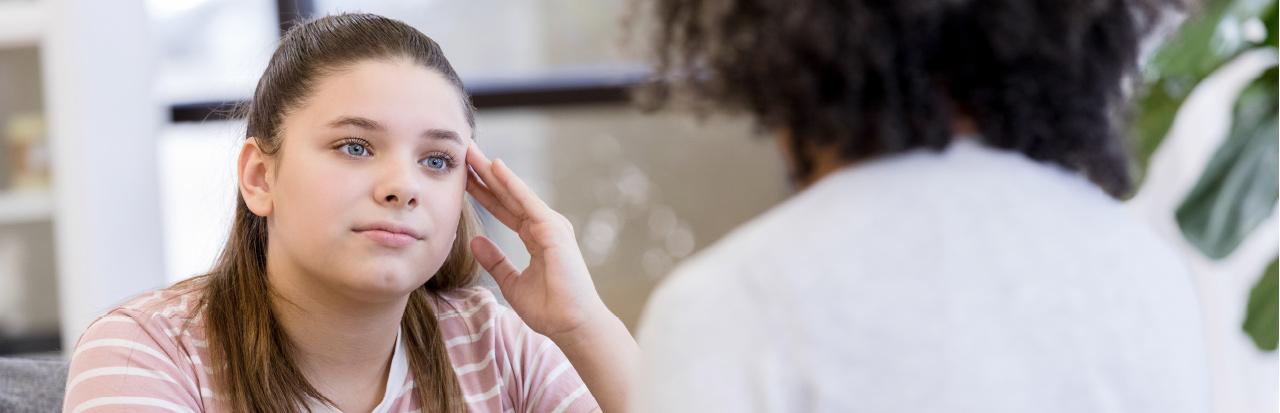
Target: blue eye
354 149
435 162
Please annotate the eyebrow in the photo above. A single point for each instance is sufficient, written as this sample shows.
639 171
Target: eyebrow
373 125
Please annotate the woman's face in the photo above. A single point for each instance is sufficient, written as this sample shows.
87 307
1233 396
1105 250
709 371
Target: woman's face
368 185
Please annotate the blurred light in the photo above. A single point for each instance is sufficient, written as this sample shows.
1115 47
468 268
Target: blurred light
662 220
656 263
605 148
173 6
601 235
632 183
680 241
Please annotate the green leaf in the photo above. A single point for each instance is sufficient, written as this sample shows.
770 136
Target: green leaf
1202 45
1158 108
1241 183
1269 21
1208 40
1260 320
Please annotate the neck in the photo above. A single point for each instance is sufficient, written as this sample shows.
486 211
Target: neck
822 162
825 161
344 347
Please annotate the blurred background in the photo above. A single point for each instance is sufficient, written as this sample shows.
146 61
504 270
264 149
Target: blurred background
118 152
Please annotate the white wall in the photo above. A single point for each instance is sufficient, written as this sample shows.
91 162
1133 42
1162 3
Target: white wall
102 128
197 192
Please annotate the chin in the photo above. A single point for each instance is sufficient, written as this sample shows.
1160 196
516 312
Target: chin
384 283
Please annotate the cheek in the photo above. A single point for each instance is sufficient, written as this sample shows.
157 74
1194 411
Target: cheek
443 201
308 196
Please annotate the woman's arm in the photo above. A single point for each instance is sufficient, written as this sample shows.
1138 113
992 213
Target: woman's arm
554 295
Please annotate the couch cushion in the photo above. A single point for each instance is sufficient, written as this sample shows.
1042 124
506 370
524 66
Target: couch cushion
32 385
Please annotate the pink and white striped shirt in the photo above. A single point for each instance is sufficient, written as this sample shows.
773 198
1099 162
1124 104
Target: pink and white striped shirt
137 358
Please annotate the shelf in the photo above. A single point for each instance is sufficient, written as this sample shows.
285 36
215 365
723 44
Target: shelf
18 207
38 345
22 23
595 86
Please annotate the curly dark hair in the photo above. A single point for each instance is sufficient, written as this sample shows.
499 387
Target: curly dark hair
866 78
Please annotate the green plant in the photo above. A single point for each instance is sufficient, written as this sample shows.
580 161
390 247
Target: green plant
1240 184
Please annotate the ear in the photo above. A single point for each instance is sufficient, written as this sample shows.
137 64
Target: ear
253 178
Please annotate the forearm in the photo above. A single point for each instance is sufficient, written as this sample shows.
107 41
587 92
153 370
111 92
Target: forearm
607 358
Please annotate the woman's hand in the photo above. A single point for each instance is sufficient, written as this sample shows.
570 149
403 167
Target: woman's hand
554 295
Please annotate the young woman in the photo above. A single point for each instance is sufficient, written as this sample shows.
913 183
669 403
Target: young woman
957 246
346 282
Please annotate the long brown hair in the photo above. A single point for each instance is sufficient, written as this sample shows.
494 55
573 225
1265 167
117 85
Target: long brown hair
253 356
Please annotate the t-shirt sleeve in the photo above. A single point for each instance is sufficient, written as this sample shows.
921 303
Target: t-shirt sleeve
120 365
709 343
538 375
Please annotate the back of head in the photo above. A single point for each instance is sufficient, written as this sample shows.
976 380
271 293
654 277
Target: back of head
866 78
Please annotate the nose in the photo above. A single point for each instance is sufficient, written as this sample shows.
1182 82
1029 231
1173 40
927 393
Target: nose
398 186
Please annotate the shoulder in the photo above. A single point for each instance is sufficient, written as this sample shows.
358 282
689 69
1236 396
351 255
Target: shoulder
737 266
469 297
727 282
500 358
147 352
709 333
471 319
903 222
168 314
473 306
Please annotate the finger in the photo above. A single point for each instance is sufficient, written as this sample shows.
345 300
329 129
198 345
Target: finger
520 192
494 261
484 168
490 202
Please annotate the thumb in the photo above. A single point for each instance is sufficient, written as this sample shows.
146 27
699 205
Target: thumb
494 261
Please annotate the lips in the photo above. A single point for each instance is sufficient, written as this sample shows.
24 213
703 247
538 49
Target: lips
389 234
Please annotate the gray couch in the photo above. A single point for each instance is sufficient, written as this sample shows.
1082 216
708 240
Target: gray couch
32 385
